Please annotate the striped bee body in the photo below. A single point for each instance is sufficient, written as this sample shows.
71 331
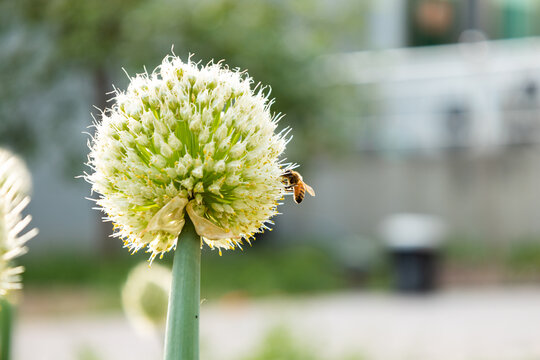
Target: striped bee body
294 181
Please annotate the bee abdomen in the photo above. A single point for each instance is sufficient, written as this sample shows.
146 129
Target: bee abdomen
299 193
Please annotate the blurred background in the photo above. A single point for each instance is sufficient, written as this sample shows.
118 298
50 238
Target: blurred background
417 122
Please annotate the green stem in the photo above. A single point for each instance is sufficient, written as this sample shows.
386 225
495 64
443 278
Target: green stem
6 320
182 334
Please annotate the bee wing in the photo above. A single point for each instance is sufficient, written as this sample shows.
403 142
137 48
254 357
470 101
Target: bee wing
309 189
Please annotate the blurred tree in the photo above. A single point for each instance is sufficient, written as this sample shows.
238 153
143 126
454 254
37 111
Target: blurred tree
86 34
20 71
275 40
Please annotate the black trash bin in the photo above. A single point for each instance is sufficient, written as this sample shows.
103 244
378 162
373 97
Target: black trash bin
415 270
413 242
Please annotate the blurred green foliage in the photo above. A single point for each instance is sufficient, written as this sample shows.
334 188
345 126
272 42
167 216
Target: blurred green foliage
280 344
292 270
524 257
264 271
251 273
471 251
87 353
521 254
513 261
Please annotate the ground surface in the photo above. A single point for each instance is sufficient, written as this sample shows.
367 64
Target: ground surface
502 323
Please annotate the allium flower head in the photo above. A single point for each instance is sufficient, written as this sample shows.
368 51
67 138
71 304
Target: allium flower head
15 185
188 139
145 296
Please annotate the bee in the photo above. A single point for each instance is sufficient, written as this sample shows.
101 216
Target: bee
293 180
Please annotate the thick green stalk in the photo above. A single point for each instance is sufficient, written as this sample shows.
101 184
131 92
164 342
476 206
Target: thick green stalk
6 319
182 334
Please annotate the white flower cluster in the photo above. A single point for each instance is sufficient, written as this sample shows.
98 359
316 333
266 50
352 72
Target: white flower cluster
188 138
15 185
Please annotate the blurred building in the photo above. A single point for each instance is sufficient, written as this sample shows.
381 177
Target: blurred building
444 122
480 95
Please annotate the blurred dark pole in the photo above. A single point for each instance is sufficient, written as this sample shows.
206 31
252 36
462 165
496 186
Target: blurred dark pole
101 83
472 15
107 246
